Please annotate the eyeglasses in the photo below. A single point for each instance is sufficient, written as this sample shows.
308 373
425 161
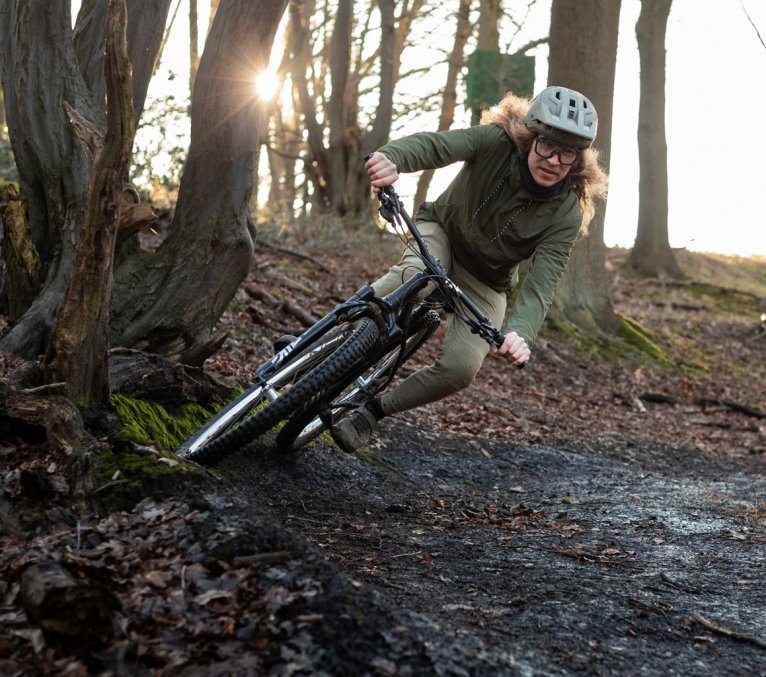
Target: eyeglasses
546 149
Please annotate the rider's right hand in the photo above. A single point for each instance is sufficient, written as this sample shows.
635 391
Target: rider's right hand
514 349
381 170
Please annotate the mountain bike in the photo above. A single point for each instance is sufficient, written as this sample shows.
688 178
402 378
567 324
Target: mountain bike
347 357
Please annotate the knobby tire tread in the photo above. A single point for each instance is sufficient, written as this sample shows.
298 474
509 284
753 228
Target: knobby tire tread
301 396
423 321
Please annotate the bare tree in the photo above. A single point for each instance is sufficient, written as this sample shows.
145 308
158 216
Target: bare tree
651 255
583 54
330 61
170 301
449 99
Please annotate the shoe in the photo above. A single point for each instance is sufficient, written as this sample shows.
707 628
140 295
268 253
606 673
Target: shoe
355 430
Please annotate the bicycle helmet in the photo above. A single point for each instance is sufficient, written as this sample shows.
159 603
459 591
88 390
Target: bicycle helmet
563 115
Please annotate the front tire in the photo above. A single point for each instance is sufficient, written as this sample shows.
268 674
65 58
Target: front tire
292 389
303 428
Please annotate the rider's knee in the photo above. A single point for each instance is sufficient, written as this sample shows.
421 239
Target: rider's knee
456 377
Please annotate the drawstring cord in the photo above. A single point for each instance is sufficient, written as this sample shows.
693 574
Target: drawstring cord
516 212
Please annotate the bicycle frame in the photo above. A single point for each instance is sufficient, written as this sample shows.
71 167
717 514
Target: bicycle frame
392 313
392 210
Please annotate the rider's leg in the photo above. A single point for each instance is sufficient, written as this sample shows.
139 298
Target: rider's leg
356 429
461 354
460 357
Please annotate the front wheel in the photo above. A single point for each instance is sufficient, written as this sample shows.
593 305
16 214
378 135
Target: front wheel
377 374
288 391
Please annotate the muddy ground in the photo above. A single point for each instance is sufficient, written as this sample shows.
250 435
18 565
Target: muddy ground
591 514
548 560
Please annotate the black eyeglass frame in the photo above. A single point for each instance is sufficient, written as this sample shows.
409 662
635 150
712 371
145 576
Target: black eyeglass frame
558 149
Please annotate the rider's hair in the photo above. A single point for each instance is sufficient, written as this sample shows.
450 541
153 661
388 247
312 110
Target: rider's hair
589 180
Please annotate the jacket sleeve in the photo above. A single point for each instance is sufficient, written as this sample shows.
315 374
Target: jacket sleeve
431 150
536 294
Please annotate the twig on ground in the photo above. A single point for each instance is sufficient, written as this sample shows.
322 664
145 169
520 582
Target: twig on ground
735 406
725 632
296 254
676 584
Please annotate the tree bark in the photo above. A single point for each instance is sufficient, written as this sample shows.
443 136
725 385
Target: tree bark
170 301
449 100
583 53
25 271
651 255
145 29
41 78
78 351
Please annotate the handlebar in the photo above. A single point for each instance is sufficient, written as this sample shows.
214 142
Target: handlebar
392 210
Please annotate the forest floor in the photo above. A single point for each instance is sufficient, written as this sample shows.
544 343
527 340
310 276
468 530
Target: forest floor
598 512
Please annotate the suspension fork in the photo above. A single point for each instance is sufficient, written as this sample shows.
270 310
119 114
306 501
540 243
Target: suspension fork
398 305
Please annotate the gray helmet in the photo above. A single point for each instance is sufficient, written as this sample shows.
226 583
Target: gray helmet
563 115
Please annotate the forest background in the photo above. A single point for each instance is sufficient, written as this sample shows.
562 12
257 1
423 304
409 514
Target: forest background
692 68
637 435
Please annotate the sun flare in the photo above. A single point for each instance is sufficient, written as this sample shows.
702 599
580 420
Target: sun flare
267 84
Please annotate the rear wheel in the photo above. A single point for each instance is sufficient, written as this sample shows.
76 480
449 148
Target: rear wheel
291 389
310 423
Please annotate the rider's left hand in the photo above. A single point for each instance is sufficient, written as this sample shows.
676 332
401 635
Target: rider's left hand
514 349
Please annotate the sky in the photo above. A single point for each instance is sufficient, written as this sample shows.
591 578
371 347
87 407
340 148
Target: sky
715 130
715 118
715 105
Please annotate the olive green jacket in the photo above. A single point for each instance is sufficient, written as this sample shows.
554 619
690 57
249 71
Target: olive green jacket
492 221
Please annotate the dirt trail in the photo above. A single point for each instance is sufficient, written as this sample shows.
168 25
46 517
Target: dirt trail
562 561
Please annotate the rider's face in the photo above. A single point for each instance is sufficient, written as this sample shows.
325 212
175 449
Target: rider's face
546 171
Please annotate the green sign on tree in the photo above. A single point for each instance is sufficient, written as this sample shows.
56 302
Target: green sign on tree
491 75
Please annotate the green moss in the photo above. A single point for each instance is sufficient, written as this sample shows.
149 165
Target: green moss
562 327
725 300
641 339
126 476
147 423
631 338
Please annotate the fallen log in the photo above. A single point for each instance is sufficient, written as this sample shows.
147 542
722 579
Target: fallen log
729 404
295 253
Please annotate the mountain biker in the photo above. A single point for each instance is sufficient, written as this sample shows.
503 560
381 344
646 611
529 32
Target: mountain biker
526 189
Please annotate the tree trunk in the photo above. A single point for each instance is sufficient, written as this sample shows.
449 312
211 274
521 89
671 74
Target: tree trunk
341 141
652 255
213 9
42 77
39 76
583 52
146 21
489 33
449 100
170 301
193 44
78 352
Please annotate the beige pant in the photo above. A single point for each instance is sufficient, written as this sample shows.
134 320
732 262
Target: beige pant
462 352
